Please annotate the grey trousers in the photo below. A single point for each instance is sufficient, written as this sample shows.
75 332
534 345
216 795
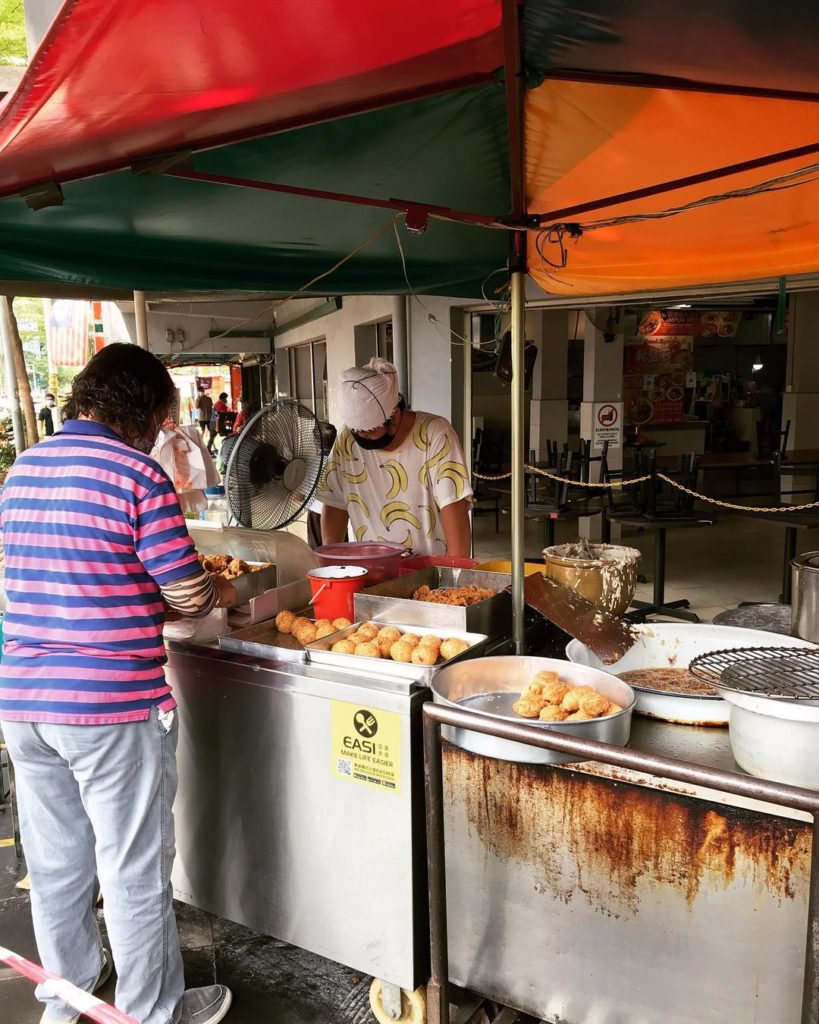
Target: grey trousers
95 802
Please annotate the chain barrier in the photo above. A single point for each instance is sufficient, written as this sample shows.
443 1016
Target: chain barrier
616 485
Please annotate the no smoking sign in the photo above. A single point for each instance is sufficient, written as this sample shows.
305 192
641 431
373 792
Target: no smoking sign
607 425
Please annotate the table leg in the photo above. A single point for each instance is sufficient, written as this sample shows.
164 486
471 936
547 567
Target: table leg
659 568
790 554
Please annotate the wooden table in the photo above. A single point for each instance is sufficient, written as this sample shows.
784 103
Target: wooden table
794 522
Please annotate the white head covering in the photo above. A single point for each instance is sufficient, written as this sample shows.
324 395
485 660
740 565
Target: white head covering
369 394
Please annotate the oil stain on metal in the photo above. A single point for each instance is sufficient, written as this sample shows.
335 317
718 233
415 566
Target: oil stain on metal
614 842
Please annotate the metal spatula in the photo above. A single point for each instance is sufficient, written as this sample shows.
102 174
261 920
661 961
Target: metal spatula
608 637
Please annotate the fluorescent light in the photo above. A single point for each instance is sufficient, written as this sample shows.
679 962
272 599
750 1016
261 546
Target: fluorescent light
681 305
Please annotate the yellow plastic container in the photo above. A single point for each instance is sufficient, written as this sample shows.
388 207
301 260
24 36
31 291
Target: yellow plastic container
529 568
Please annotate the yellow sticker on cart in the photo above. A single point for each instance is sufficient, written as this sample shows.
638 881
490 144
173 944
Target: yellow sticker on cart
366 746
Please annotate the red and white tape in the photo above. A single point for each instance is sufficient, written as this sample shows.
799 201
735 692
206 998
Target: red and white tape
83 1002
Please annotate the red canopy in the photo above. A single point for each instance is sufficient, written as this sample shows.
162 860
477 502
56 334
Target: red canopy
91 101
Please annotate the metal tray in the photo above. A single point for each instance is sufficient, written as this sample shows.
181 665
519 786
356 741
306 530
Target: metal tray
263 640
489 686
385 668
392 602
253 584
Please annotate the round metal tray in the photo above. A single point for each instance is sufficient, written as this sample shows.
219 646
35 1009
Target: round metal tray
489 687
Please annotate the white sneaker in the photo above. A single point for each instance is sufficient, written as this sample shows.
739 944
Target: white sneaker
205 1005
105 974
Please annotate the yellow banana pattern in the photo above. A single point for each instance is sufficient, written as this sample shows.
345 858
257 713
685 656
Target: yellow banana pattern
425 473
456 473
359 533
433 519
398 511
355 478
398 476
356 499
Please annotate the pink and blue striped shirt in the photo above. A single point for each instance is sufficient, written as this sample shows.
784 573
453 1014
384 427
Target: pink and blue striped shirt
91 529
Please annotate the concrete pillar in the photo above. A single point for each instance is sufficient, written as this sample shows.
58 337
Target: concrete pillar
141 314
800 403
602 383
549 407
400 354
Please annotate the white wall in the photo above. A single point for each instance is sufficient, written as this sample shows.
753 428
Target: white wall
430 356
337 329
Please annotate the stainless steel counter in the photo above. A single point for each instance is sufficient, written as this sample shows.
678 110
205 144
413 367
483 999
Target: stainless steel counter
273 834
589 894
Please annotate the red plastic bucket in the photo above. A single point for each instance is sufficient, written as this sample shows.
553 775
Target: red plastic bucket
333 587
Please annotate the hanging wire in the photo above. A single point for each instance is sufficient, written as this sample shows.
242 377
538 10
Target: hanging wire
432 317
274 306
555 234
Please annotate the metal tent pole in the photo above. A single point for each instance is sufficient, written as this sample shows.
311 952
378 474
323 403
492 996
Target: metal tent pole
518 478
141 313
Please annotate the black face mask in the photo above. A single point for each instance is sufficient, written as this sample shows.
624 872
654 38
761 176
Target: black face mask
372 444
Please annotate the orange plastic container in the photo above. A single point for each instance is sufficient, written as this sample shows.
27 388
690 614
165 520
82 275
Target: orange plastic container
333 588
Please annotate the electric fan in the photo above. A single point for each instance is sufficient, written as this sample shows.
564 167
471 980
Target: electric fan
274 466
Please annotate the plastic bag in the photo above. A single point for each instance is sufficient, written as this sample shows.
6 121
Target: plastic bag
182 454
209 627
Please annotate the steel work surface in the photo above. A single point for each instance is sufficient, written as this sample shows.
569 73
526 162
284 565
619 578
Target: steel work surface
579 896
269 836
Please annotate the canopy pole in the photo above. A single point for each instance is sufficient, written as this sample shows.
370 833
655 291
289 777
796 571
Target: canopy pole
518 478
141 313
11 376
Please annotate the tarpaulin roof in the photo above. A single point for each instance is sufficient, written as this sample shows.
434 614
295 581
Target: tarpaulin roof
634 109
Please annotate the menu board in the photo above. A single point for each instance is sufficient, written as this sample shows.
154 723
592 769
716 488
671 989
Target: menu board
654 381
696 323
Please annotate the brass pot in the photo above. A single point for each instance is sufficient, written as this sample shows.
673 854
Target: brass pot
608 581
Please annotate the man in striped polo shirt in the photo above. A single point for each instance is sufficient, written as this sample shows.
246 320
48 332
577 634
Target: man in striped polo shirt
96 551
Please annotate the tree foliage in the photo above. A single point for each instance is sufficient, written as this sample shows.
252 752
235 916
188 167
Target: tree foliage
12 33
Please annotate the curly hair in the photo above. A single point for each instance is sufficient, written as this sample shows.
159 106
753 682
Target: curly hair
125 388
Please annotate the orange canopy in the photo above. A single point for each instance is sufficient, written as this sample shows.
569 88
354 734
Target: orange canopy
586 142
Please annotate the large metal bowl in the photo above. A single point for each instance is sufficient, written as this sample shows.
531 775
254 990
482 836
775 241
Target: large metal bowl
675 645
480 685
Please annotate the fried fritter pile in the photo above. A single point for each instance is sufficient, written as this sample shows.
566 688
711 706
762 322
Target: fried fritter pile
228 567
549 699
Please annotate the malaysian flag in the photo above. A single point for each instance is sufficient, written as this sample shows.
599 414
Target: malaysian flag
67 332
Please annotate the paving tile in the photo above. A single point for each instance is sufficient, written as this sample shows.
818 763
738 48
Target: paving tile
17 1002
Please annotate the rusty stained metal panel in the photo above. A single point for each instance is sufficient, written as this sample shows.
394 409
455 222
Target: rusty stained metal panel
581 898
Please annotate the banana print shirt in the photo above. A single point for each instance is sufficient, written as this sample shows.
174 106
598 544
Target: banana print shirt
397 496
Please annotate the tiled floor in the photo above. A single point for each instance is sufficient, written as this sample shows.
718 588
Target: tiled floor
715 568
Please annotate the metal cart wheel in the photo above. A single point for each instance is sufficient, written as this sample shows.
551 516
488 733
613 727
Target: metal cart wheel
387 1001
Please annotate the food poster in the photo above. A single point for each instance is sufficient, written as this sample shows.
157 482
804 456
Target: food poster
654 382
695 323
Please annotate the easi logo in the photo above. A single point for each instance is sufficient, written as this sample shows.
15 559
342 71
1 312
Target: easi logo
366 724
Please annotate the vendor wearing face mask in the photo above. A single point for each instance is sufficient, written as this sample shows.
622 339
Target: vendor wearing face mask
394 474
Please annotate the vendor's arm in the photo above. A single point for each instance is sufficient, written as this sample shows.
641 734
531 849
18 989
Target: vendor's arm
165 549
457 529
197 595
333 525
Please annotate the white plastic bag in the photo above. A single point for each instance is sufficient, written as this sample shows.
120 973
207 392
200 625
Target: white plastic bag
184 457
213 624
